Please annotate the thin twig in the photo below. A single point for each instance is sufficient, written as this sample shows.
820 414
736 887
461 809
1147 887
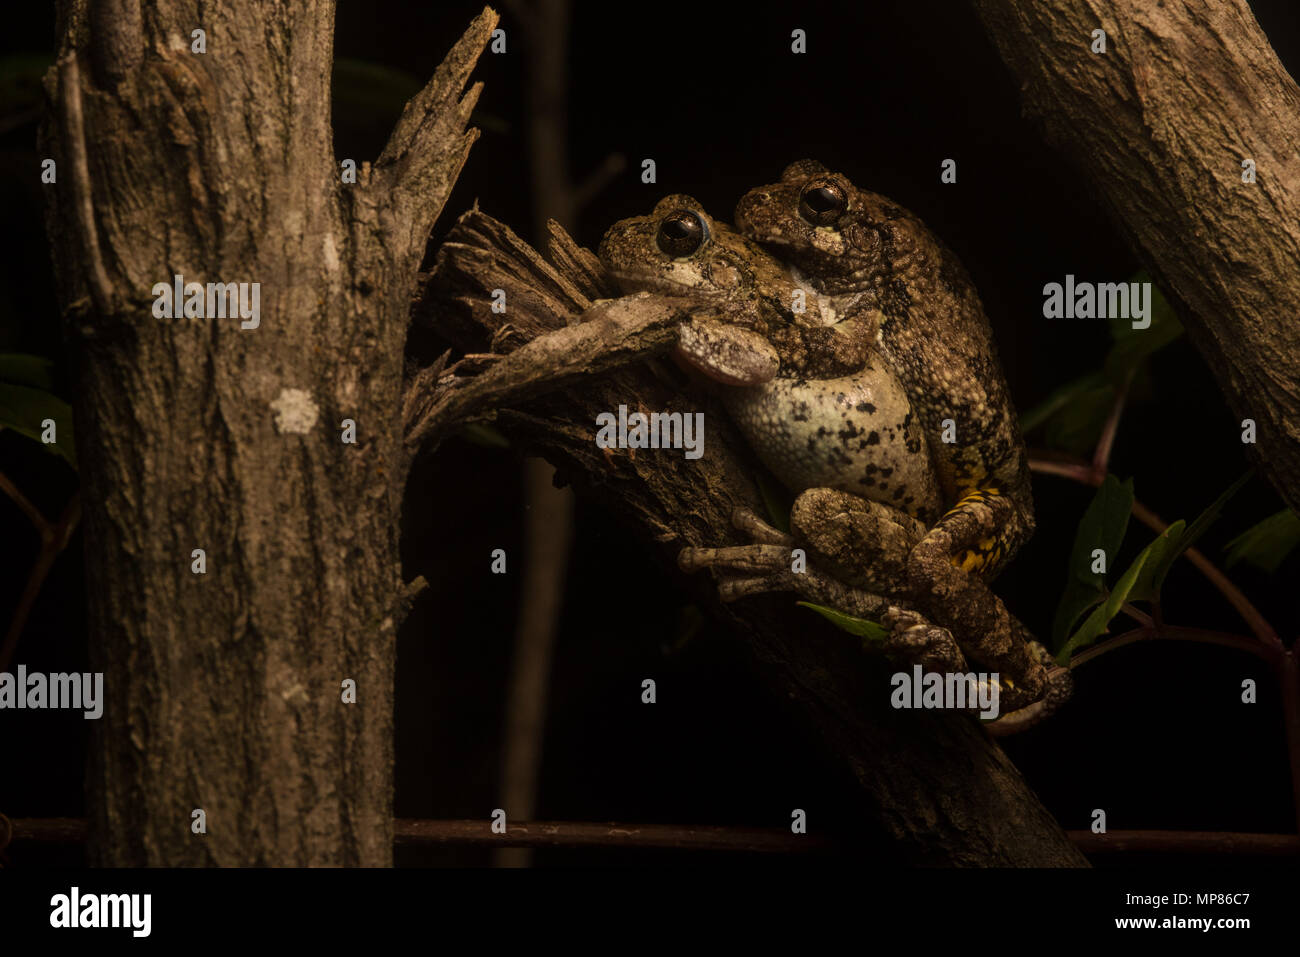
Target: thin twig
1289 675
74 137
1137 614
414 832
1177 633
1251 615
1101 457
54 538
31 511
1077 471
1186 842
478 833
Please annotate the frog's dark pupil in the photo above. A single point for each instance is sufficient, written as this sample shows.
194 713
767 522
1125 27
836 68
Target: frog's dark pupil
681 233
822 204
677 229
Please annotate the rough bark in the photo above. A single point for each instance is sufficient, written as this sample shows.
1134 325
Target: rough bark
944 791
1160 125
224 689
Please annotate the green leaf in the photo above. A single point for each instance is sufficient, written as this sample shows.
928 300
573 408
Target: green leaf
1077 426
1266 544
1102 526
1132 346
776 500
854 626
361 86
1095 624
690 621
1159 555
20 81
23 408
1194 531
23 369
1076 412
476 433
1060 398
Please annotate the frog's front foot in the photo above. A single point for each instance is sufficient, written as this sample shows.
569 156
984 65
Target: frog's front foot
918 641
773 564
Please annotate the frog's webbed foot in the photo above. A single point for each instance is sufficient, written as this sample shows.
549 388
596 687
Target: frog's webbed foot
768 566
1059 687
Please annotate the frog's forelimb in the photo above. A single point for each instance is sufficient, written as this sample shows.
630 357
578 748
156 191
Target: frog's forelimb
766 566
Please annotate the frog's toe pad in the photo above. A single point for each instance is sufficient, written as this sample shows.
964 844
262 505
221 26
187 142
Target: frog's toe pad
1057 692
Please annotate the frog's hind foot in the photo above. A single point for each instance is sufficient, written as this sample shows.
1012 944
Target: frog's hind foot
1057 690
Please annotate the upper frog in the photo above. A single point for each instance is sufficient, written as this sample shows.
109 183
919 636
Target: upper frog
865 252
807 384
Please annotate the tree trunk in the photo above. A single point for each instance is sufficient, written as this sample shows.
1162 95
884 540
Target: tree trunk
1161 124
224 689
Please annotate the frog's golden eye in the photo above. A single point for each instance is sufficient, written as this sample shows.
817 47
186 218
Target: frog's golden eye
822 203
681 233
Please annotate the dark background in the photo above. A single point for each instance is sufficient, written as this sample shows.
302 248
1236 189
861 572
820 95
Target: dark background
1155 734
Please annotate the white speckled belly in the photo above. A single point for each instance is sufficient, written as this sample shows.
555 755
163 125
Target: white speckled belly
856 434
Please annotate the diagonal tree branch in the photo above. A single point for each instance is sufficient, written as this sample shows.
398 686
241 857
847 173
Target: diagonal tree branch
612 334
1193 142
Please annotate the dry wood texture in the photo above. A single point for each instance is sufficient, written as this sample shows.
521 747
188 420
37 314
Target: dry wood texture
1160 125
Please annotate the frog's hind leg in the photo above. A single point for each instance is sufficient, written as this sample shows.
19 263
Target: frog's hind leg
985 529
958 598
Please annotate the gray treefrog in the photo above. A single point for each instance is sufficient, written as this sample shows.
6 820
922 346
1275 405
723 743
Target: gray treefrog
864 252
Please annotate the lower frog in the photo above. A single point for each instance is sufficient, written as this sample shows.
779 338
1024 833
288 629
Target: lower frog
810 391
